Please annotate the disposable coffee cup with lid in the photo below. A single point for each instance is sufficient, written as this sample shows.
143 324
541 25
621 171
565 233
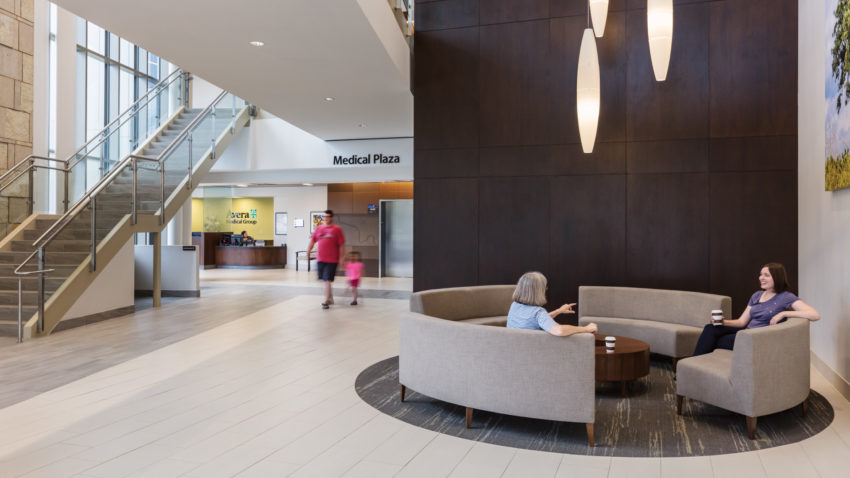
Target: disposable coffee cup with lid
717 317
610 341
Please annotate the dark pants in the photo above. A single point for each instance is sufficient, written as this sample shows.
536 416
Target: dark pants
716 337
327 270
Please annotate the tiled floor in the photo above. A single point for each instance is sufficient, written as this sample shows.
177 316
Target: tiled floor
271 394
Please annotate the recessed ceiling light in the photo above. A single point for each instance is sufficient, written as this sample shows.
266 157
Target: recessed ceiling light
256 43
241 185
361 125
329 98
306 184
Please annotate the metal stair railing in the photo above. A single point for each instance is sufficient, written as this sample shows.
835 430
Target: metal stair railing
131 162
22 174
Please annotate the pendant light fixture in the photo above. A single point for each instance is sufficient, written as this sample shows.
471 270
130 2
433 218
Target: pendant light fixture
659 27
587 90
599 14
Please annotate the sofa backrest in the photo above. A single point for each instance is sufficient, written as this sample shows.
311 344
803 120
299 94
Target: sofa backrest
770 366
460 303
519 372
671 306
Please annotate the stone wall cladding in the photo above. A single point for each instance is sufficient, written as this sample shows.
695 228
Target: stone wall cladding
16 94
16 50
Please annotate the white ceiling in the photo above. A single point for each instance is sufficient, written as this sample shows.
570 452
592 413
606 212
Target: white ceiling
313 49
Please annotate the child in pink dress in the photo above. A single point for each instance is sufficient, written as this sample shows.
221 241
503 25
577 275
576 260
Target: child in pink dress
353 270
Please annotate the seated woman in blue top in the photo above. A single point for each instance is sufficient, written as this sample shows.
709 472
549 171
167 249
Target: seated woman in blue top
768 306
526 311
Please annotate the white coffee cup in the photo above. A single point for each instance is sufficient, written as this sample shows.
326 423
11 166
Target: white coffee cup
610 342
716 317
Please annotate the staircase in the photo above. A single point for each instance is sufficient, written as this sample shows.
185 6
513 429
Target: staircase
164 171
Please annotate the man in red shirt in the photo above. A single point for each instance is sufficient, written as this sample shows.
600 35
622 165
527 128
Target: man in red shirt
330 238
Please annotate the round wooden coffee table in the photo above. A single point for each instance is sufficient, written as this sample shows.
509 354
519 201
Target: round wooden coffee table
628 361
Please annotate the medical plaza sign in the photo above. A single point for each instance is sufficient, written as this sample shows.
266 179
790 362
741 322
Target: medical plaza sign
369 159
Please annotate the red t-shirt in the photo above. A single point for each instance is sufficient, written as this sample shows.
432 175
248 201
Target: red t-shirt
328 240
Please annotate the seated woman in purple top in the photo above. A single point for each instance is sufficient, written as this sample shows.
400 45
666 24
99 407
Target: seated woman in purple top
768 306
526 311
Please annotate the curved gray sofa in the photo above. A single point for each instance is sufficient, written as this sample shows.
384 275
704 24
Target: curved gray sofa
670 321
483 304
767 372
516 372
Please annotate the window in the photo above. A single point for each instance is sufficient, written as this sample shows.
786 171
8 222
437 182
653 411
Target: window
112 74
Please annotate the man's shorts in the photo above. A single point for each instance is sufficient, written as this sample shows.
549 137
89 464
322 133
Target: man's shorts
327 270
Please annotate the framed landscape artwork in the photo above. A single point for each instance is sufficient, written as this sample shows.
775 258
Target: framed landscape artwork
315 219
837 166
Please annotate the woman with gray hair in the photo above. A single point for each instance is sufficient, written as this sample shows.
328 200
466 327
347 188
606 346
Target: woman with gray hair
527 310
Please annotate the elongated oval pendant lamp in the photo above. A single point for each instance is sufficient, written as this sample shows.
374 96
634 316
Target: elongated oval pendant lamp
659 27
587 91
599 14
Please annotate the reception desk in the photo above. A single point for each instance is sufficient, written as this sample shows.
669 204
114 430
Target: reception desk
248 257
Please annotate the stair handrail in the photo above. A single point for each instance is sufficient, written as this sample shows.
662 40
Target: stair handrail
29 163
28 159
158 87
191 126
57 226
21 300
90 198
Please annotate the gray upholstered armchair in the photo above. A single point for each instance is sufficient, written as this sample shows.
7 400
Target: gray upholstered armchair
767 372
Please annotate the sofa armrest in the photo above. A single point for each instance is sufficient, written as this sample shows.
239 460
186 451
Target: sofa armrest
770 366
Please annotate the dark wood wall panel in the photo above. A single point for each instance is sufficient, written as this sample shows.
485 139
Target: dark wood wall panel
446 105
564 40
561 8
515 161
692 181
753 221
441 14
446 163
667 231
502 11
607 158
678 106
513 214
754 153
676 156
514 83
445 229
754 91
587 245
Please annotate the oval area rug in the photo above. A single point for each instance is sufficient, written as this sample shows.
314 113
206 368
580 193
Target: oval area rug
644 424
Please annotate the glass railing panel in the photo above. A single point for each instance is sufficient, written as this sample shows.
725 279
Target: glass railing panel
177 164
131 128
113 203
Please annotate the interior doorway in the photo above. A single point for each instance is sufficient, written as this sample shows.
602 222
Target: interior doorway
395 249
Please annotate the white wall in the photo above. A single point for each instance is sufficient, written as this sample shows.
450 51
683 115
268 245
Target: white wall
179 268
824 217
202 92
297 201
112 289
272 150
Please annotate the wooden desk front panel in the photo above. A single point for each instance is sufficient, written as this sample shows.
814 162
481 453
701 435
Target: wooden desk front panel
250 256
